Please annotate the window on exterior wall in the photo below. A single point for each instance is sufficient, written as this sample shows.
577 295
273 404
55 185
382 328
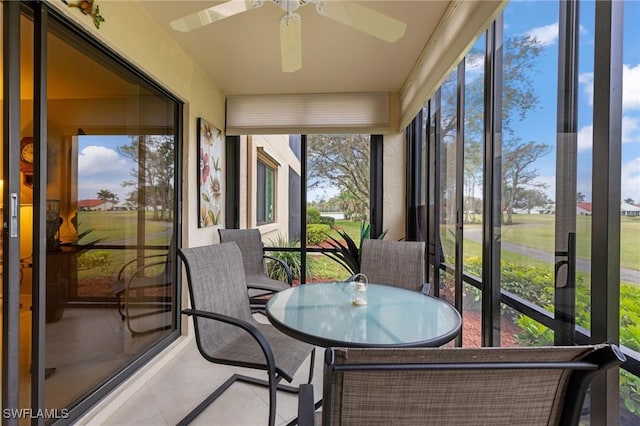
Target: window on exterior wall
266 188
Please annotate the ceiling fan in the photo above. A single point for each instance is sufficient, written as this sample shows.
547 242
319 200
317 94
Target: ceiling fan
346 12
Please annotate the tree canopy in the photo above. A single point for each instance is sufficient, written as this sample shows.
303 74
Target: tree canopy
341 162
152 179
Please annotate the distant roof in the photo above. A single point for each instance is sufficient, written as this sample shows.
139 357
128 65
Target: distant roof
625 207
586 206
90 203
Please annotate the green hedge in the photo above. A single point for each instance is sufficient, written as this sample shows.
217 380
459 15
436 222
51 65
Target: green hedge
327 220
317 233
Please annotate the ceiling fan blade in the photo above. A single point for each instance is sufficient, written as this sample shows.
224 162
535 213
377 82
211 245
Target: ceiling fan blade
363 18
291 42
213 14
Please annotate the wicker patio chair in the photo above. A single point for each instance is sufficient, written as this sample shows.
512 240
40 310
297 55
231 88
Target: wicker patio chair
456 386
259 284
397 263
225 330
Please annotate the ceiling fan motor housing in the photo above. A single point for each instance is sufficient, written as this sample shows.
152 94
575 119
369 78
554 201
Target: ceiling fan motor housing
289 5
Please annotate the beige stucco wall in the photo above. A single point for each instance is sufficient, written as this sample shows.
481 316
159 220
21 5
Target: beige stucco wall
394 185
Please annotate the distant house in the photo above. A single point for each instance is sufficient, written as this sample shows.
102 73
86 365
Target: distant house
546 209
629 210
94 205
123 206
584 209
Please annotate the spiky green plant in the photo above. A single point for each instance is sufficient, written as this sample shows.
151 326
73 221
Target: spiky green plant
346 252
275 270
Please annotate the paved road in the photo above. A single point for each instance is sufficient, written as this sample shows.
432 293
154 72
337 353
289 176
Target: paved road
582 265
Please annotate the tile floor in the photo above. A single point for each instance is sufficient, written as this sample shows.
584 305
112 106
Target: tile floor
187 379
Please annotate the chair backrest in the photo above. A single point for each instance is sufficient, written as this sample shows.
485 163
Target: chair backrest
460 386
397 263
250 243
217 284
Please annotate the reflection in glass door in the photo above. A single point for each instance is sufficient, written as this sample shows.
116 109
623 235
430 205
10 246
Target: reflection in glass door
101 289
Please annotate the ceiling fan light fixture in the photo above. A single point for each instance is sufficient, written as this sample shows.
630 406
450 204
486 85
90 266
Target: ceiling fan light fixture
291 42
288 5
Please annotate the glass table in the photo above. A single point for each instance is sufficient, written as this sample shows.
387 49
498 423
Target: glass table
323 314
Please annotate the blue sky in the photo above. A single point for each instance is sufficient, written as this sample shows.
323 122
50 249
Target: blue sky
540 19
100 166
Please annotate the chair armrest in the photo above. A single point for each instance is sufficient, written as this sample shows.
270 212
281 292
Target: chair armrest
259 287
126 265
306 408
142 268
253 332
284 265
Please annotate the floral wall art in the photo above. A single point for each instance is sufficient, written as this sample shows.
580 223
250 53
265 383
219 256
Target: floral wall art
210 200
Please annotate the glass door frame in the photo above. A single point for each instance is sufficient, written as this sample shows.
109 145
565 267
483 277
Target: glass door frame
12 13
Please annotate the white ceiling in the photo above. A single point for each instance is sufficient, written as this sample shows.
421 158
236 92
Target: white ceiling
241 53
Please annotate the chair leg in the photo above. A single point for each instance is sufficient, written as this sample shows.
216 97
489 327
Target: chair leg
312 364
246 379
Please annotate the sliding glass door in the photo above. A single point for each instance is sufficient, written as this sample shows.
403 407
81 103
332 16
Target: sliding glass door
90 216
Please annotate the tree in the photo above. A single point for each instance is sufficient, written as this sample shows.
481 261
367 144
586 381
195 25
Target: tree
580 197
518 99
153 177
530 198
517 172
107 195
343 162
629 201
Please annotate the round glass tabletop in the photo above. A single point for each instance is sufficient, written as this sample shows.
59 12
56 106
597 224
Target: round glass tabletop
323 314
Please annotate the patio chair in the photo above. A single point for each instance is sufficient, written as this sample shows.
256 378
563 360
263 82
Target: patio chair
456 386
143 292
397 263
259 284
225 330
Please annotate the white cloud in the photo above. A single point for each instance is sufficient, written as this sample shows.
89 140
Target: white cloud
586 79
630 129
99 159
630 133
546 35
100 167
585 138
583 30
631 179
550 183
631 87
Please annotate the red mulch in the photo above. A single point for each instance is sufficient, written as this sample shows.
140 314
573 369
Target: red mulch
472 331
95 287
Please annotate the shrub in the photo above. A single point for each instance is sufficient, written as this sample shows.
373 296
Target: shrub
328 220
317 233
275 270
94 259
313 215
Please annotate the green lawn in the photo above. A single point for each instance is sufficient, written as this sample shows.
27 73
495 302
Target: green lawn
538 231
119 225
120 228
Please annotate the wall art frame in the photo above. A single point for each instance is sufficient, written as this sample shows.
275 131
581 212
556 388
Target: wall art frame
210 176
